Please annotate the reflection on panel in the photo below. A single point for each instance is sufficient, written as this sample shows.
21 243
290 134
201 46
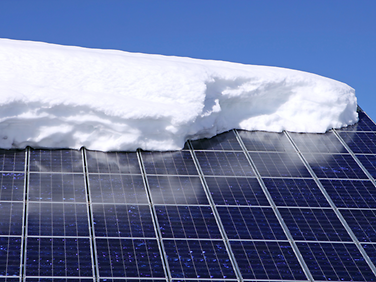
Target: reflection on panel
177 190
259 141
334 166
187 222
112 162
129 258
56 161
177 163
360 142
267 260
336 262
318 143
314 224
251 223
221 142
122 220
236 191
279 164
198 259
57 187
295 192
56 219
116 188
224 163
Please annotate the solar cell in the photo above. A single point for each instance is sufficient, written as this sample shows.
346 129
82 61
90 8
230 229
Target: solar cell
11 218
58 257
12 186
129 258
336 262
295 192
334 166
251 223
176 190
12 160
57 219
360 142
187 222
10 256
57 187
351 193
369 162
116 188
364 124
198 259
224 163
122 220
279 164
267 260
236 191
314 224
362 223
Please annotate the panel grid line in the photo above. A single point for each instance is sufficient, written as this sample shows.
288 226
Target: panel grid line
276 211
90 217
157 231
335 209
216 215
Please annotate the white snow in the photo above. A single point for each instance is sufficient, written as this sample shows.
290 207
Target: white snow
68 97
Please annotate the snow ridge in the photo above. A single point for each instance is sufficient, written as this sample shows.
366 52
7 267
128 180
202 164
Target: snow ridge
67 97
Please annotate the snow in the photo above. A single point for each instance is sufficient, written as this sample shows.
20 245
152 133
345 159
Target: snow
55 96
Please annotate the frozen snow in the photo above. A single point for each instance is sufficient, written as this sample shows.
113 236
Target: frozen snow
68 97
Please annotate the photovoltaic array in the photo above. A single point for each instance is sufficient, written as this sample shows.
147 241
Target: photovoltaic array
242 206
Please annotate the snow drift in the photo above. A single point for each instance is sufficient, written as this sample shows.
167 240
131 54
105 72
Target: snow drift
68 97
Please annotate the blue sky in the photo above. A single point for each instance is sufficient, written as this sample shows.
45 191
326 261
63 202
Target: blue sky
333 38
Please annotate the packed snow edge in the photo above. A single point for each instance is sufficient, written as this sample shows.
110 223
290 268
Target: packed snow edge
67 97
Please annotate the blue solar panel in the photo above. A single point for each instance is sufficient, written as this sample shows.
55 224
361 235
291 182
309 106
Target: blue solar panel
11 218
187 222
122 220
369 162
334 166
58 257
336 262
362 223
114 162
295 192
198 259
364 124
177 190
265 141
360 142
351 193
251 223
224 163
129 258
314 224
267 260
236 191
12 160
279 164
56 161
10 254
12 186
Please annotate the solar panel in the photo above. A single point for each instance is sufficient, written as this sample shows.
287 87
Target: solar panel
241 206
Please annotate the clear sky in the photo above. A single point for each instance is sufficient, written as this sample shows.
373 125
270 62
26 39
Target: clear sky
333 38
